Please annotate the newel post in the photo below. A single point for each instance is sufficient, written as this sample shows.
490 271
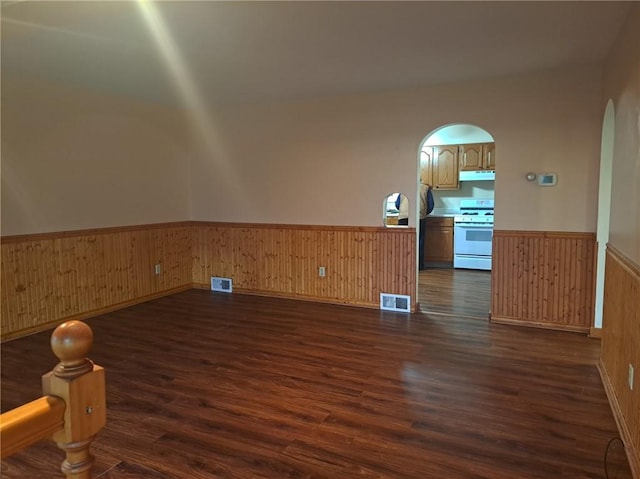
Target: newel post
81 384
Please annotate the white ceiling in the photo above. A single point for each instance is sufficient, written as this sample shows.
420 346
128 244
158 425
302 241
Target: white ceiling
264 51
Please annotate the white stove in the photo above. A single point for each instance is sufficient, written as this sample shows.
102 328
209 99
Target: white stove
473 235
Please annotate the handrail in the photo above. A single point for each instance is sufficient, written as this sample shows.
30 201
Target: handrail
25 425
72 410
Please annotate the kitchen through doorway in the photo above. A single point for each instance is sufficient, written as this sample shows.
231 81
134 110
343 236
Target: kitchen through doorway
458 162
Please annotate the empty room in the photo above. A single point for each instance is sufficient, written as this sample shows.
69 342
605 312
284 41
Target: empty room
303 239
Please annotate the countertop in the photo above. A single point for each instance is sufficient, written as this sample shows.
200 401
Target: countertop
445 212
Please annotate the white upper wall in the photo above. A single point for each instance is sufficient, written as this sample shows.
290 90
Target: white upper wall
622 85
332 161
75 159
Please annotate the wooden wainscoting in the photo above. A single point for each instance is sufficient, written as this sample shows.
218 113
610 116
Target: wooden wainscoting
283 260
544 279
48 278
621 347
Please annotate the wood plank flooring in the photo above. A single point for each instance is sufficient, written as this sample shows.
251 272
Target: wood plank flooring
208 385
458 292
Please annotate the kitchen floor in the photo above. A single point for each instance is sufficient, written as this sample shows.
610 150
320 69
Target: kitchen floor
459 292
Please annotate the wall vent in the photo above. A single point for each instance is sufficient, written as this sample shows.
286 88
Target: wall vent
395 302
224 285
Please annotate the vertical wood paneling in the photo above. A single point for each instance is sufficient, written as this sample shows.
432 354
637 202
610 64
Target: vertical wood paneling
543 279
621 347
52 277
284 260
48 278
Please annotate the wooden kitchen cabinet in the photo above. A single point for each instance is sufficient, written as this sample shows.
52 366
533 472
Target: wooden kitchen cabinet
471 157
478 156
426 165
440 165
438 241
489 154
444 168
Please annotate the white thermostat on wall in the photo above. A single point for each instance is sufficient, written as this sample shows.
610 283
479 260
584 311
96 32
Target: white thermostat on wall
547 179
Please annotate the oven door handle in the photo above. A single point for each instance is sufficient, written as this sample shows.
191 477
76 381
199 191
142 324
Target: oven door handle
474 225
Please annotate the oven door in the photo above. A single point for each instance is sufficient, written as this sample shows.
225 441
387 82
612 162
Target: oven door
472 239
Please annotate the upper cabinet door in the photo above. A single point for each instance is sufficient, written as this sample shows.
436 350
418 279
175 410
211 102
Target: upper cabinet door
489 155
426 165
445 167
471 157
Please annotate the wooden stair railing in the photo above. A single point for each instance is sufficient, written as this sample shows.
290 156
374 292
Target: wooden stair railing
72 410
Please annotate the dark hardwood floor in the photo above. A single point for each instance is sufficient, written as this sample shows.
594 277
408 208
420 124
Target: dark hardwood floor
208 385
458 292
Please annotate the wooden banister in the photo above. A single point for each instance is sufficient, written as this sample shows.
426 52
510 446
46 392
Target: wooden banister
73 408
30 423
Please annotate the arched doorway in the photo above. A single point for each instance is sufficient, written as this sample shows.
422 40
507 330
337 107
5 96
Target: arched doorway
458 161
604 205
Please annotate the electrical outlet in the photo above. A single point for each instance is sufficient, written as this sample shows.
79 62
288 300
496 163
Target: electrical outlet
321 271
630 376
158 269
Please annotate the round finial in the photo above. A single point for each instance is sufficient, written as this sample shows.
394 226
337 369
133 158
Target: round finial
70 342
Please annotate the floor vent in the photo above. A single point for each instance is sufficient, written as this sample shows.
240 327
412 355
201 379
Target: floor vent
224 285
395 302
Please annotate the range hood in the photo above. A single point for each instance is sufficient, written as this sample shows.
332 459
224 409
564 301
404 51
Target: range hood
479 175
